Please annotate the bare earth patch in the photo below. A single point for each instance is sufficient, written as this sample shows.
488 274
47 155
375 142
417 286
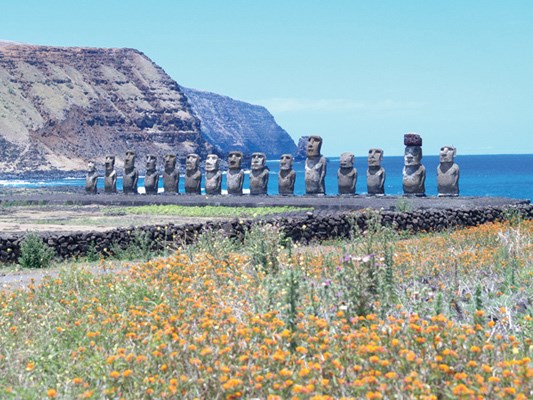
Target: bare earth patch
70 218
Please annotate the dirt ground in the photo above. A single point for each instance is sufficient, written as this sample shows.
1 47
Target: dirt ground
72 218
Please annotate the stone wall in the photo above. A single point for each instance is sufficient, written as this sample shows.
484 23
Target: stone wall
300 227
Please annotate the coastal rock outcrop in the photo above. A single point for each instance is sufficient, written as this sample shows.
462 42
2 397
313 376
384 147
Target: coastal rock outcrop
233 125
60 106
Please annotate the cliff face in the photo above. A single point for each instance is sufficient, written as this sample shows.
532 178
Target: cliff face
60 107
235 125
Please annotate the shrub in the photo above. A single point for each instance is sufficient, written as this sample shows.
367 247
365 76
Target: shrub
34 253
263 244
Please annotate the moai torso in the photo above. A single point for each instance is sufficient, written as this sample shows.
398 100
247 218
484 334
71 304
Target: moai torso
235 175
259 175
414 173
447 173
131 175
315 167
375 174
91 180
110 177
286 176
347 174
213 176
193 175
151 179
171 176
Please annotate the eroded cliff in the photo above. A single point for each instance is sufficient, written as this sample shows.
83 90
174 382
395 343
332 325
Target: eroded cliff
231 124
60 107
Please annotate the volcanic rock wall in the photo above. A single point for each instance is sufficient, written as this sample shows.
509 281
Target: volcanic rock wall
303 228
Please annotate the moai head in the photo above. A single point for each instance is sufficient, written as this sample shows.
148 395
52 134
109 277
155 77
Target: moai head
170 163
347 160
412 155
91 166
285 163
129 160
212 163
110 163
375 156
150 162
447 154
234 159
192 162
314 145
258 161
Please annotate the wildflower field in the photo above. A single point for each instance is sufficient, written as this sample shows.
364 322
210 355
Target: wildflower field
432 316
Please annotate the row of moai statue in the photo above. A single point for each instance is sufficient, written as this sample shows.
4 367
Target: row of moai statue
414 173
193 175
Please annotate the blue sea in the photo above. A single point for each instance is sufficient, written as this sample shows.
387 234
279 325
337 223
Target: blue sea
481 175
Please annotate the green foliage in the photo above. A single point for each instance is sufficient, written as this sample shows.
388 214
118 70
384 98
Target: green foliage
142 247
263 242
403 205
34 253
216 244
206 211
513 215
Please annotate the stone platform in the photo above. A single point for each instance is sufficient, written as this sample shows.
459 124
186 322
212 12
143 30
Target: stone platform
392 203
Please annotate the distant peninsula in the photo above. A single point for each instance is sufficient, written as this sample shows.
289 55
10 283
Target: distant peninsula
62 106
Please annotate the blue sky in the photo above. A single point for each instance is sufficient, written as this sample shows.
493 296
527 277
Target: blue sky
358 73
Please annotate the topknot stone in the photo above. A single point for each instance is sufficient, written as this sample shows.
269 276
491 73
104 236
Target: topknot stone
412 139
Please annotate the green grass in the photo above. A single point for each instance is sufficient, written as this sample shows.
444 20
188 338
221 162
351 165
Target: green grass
207 211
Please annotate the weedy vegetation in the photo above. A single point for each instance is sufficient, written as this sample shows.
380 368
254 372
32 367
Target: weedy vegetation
433 316
205 211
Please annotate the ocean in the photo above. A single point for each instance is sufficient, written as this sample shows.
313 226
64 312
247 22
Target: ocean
481 175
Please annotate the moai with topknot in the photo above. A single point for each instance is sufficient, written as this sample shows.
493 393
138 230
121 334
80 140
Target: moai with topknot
414 173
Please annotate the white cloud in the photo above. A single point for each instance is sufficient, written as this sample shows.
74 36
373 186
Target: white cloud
292 105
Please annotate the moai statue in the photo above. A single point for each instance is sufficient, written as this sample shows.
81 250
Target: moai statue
213 176
414 173
259 175
91 179
347 174
315 167
375 174
235 175
110 178
131 175
171 175
286 176
448 172
193 175
151 179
